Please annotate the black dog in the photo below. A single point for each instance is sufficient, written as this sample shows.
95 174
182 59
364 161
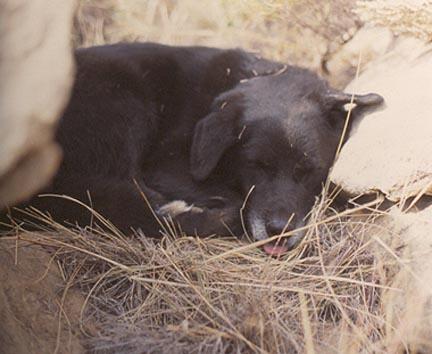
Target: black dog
198 129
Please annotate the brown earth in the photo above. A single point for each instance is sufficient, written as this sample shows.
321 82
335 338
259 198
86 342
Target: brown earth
37 314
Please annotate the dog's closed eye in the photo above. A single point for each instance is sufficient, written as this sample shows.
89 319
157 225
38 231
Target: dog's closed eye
259 164
216 202
301 170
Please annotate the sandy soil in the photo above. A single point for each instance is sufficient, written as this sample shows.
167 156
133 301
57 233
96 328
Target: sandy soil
37 316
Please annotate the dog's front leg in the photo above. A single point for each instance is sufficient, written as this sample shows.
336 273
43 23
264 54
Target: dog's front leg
201 220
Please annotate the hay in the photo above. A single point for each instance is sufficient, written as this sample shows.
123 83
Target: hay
223 295
295 32
409 17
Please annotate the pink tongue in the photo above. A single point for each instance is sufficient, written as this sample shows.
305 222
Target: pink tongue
274 250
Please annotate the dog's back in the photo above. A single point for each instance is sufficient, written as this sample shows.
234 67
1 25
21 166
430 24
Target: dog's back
132 110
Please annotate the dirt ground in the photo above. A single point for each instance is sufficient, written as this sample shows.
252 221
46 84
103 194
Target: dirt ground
36 315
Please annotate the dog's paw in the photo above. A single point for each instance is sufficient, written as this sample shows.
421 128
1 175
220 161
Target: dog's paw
178 207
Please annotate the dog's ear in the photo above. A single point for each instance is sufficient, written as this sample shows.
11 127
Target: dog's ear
337 99
361 104
213 135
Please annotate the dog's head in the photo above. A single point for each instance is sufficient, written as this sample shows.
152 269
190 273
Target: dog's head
278 134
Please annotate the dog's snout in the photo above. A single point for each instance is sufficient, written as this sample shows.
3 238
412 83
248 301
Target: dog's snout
276 226
281 221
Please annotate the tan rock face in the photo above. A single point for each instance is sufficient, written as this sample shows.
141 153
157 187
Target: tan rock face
409 309
391 150
36 75
342 66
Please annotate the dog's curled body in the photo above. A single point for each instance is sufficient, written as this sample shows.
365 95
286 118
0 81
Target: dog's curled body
199 125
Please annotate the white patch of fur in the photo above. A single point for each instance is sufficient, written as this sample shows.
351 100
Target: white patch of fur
258 228
178 207
293 240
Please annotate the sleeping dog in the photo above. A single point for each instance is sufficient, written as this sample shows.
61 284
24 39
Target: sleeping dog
201 133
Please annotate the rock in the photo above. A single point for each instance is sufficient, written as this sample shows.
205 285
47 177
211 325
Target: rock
368 44
409 309
391 150
36 71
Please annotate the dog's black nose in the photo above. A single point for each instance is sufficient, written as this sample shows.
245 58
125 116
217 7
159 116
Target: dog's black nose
277 226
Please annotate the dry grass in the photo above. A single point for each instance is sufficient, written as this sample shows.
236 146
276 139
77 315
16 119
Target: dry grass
411 17
191 295
295 32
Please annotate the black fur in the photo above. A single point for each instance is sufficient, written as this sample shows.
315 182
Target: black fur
197 124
